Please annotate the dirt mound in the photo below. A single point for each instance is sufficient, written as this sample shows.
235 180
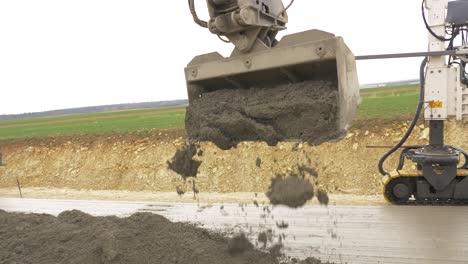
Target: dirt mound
183 163
310 261
75 237
304 111
292 191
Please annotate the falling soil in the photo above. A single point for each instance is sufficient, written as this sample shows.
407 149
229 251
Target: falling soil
310 261
306 111
303 170
263 239
258 162
75 237
282 225
292 191
322 197
180 191
183 162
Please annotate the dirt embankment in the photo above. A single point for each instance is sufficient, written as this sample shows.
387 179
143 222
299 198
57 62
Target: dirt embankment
138 162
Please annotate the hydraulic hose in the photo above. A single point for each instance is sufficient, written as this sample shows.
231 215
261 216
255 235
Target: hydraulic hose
197 20
422 77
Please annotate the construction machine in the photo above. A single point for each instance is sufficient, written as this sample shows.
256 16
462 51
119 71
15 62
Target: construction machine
260 61
439 172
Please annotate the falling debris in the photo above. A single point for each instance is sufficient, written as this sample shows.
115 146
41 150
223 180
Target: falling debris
195 190
258 163
183 162
303 170
180 191
262 238
265 237
292 191
322 197
282 225
200 153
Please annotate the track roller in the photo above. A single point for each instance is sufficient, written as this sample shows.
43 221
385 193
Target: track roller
399 190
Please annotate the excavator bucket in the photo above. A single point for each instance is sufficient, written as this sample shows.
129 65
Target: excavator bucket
304 89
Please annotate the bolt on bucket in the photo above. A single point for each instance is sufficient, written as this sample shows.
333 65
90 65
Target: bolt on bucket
304 89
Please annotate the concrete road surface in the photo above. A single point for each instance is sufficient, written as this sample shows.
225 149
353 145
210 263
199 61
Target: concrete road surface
342 234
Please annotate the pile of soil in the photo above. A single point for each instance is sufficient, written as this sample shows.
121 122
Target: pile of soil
183 163
306 112
292 191
75 237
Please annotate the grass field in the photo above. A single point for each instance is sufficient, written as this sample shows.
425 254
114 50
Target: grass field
388 103
378 103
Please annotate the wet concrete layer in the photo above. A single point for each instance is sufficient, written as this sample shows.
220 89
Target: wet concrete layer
306 111
342 234
77 237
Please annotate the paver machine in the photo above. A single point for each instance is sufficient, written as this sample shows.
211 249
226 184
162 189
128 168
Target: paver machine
261 61
439 174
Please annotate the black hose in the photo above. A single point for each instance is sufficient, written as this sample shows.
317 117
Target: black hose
463 76
422 77
286 8
464 153
197 20
454 34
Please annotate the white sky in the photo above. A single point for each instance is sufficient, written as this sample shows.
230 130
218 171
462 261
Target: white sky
60 53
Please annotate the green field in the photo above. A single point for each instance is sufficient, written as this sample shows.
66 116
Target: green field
98 123
388 103
380 103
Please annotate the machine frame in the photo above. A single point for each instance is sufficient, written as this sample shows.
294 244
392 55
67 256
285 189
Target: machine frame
441 175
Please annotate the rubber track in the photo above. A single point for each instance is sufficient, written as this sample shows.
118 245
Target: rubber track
432 202
427 202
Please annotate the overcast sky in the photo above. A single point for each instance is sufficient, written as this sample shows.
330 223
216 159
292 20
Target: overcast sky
60 54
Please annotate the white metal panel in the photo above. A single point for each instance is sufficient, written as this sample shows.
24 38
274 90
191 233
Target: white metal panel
437 105
436 93
453 92
464 102
436 20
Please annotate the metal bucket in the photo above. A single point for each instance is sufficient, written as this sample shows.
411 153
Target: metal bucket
302 57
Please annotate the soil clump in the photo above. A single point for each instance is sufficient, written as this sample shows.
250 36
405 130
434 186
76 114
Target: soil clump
306 112
322 197
282 225
183 162
258 163
292 191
